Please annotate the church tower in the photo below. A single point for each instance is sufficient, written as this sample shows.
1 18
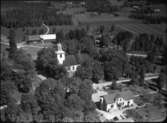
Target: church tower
60 54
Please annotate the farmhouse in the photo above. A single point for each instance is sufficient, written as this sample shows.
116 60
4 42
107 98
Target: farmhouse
119 100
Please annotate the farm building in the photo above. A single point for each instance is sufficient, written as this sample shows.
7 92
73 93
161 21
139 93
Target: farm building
117 100
37 38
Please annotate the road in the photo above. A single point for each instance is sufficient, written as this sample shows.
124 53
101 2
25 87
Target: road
47 29
148 76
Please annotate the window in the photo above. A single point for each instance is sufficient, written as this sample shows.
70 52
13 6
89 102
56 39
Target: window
115 119
60 55
68 68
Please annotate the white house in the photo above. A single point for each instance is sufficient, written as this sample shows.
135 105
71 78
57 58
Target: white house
118 101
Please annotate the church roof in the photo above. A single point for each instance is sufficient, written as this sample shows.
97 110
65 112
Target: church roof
70 60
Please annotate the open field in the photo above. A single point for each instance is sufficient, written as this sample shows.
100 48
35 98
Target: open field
141 28
103 18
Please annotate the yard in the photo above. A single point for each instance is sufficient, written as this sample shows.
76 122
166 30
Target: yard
149 113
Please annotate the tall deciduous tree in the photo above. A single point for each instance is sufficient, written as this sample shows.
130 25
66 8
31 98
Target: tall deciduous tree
47 64
98 71
85 93
12 42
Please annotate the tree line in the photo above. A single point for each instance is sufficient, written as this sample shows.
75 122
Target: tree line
33 16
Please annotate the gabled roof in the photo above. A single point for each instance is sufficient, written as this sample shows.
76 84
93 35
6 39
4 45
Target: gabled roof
42 37
33 37
70 60
48 37
109 99
124 94
127 95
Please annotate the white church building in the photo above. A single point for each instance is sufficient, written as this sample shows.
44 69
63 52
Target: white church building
70 61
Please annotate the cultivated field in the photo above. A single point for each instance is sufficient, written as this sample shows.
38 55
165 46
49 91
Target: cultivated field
90 18
138 28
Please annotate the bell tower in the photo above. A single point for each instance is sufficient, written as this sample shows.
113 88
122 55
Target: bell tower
60 54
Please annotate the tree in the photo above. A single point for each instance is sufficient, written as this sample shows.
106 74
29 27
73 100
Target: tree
72 46
101 6
74 101
85 93
29 104
6 88
98 72
162 80
51 101
142 43
24 61
34 32
6 69
101 29
141 74
23 70
123 39
91 117
11 112
105 40
84 72
12 42
112 28
86 45
60 36
110 71
47 64
115 63
73 84
76 34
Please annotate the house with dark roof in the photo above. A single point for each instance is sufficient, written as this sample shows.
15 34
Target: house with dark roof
118 100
